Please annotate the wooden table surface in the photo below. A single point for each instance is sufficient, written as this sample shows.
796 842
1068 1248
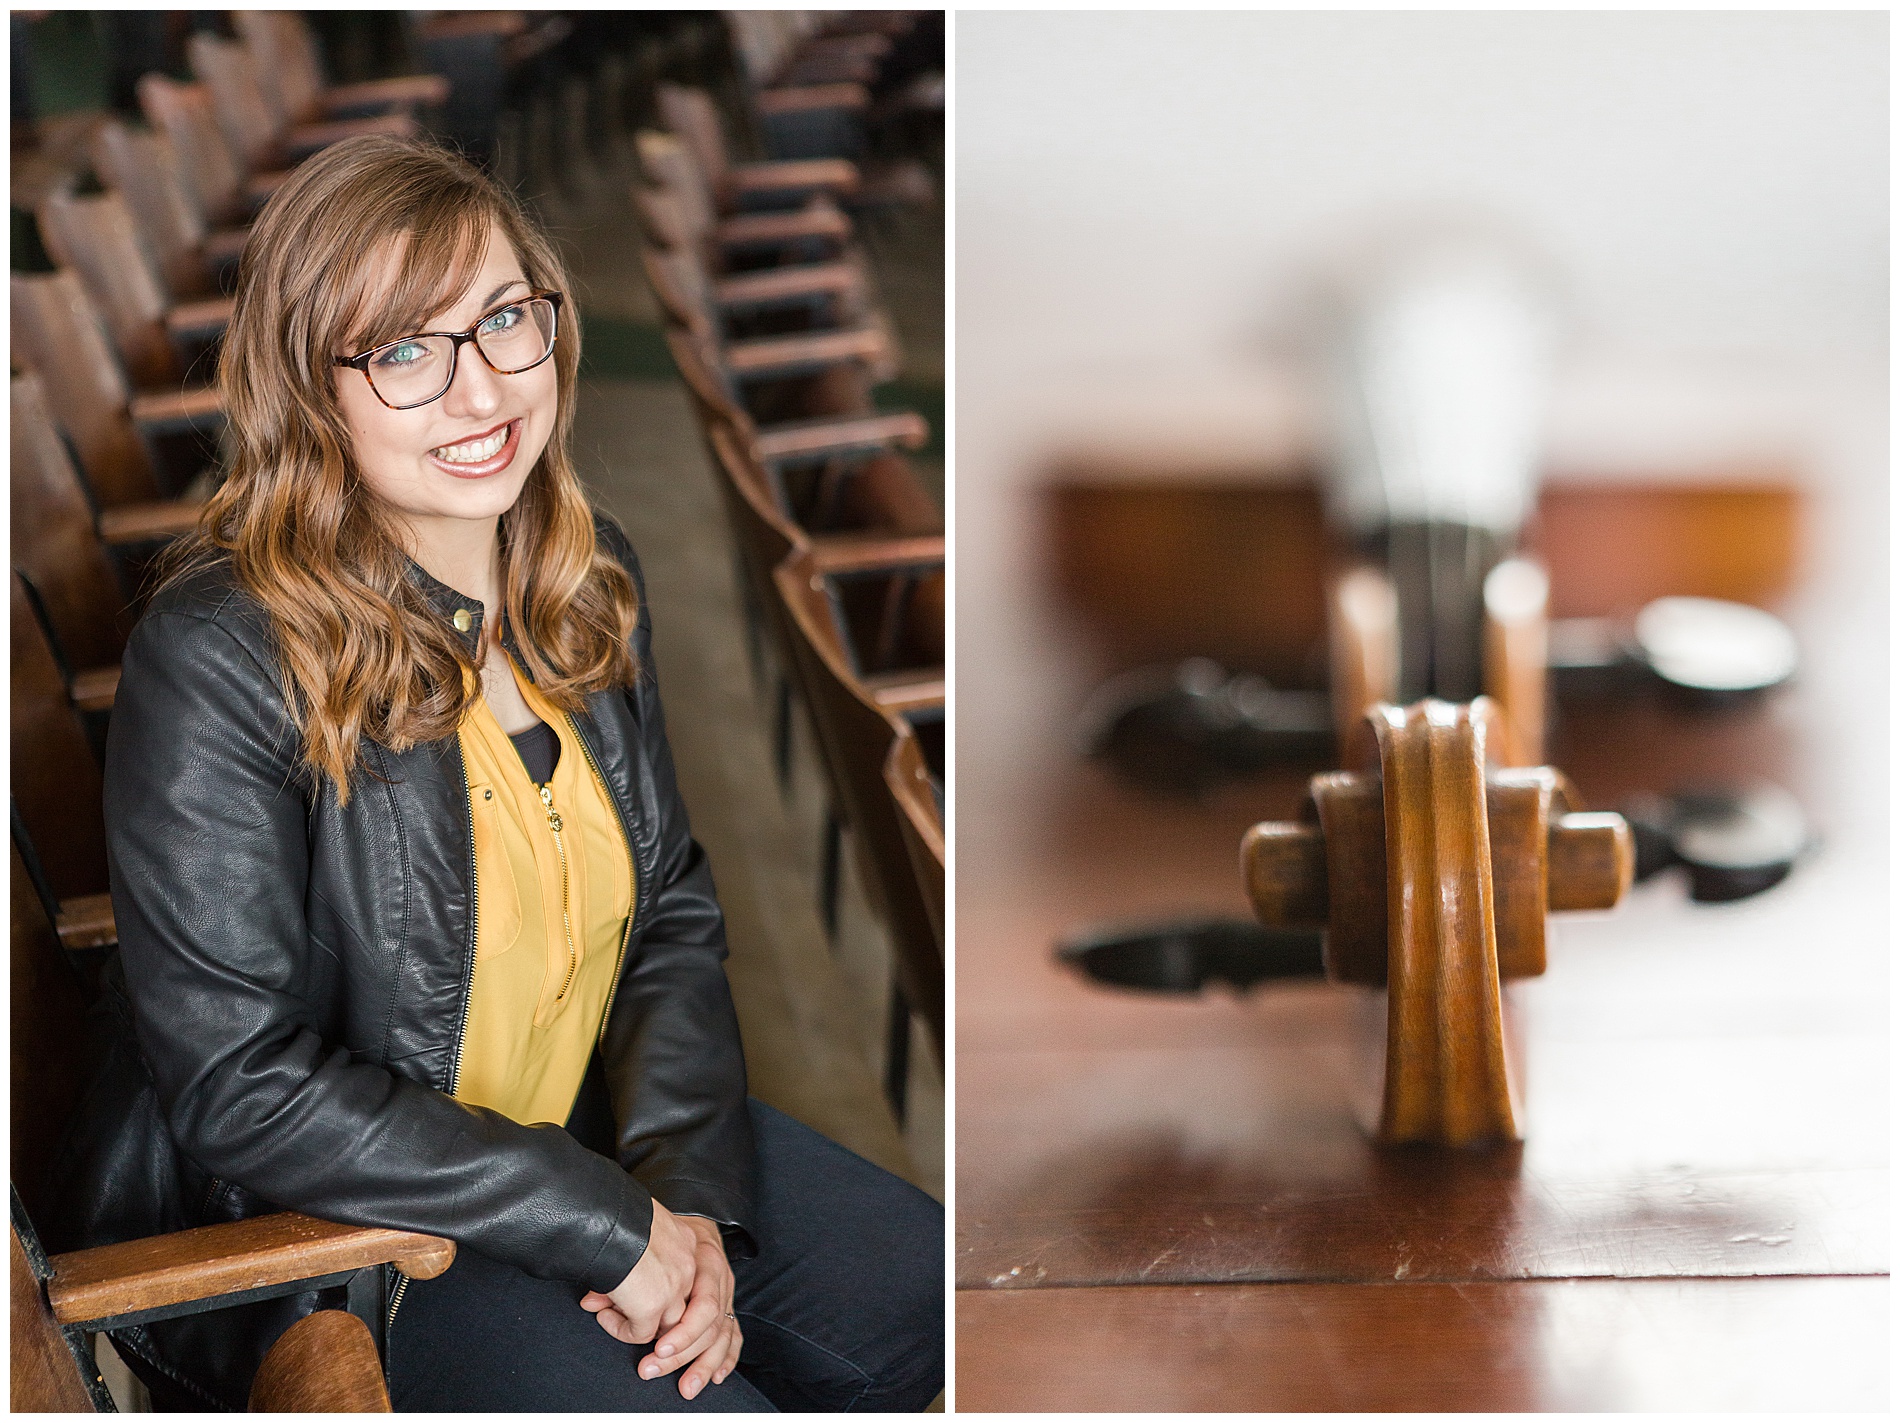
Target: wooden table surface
1175 1203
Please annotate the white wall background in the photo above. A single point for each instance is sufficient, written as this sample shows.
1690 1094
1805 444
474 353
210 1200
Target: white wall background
1137 194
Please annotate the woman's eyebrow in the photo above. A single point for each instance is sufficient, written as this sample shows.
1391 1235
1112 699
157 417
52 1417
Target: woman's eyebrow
495 295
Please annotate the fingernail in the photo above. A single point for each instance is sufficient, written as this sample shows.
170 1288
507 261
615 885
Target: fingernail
649 1369
664 1350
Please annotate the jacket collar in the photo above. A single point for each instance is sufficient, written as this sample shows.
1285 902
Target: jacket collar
456 609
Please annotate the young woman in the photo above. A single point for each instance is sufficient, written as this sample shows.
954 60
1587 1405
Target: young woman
404 883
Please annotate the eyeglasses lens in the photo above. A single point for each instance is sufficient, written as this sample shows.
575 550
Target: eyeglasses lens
418 368
515 337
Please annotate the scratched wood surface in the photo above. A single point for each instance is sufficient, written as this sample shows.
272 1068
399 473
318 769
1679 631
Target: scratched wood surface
1705 1084
1699 1100
1565 1345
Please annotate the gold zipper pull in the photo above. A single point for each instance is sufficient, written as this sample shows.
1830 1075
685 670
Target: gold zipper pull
567 922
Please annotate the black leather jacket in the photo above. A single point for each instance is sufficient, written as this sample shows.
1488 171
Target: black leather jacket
297 976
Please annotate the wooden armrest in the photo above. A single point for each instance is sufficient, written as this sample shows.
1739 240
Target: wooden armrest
96 688
903 183
763 229
814 98
111 1281
405 89
158 519
836 175
170 408
770 354
833 554
191 318
902 692
308 138
226 245
86 920
812 438
788 284
463 24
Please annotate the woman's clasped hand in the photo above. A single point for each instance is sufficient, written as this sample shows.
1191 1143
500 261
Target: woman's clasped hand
681 1285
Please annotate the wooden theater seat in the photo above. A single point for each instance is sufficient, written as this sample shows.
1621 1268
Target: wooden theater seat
260 139
58 794
155 335
226 192
68 558
321 1364
919 799
857 734
57 333
818 229
691 114
291 75
790 376
144 167
823 439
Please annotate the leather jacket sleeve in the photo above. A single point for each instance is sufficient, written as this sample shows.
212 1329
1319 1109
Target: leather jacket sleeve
671 1045
208 815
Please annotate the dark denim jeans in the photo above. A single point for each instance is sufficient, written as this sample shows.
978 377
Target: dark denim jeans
842 1309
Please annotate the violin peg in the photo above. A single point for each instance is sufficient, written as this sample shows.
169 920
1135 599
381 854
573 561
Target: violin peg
1592 861
1284 866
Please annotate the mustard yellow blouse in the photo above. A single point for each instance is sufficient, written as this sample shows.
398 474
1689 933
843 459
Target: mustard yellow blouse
554 886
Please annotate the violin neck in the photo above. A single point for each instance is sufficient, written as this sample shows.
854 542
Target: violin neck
1438 570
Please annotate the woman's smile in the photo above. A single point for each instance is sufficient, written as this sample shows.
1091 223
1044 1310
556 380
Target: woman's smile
482 455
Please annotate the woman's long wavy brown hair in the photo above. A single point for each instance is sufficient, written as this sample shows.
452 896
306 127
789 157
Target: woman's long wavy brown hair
361 650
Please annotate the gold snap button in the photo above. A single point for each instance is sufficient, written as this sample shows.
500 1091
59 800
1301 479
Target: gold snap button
462 620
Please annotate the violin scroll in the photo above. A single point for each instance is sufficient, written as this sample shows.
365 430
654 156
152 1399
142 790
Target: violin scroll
1470 858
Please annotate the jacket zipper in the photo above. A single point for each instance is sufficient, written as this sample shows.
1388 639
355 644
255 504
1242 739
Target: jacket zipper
633 870
468 989
395 1299
567 923
468 961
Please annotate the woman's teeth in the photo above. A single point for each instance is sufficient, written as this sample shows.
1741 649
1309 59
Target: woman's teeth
474 452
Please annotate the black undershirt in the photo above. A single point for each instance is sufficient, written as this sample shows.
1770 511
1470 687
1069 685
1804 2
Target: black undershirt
540 751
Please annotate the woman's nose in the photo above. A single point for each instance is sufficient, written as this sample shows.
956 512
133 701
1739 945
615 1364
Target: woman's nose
476 389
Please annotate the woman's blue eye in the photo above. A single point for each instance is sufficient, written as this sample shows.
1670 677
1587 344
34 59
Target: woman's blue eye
504 320
403 353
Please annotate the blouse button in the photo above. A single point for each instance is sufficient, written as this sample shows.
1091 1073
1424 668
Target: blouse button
461 620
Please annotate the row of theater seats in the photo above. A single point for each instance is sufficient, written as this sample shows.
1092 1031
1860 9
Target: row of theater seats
103 416
773 323
833 83
108 430
141 262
